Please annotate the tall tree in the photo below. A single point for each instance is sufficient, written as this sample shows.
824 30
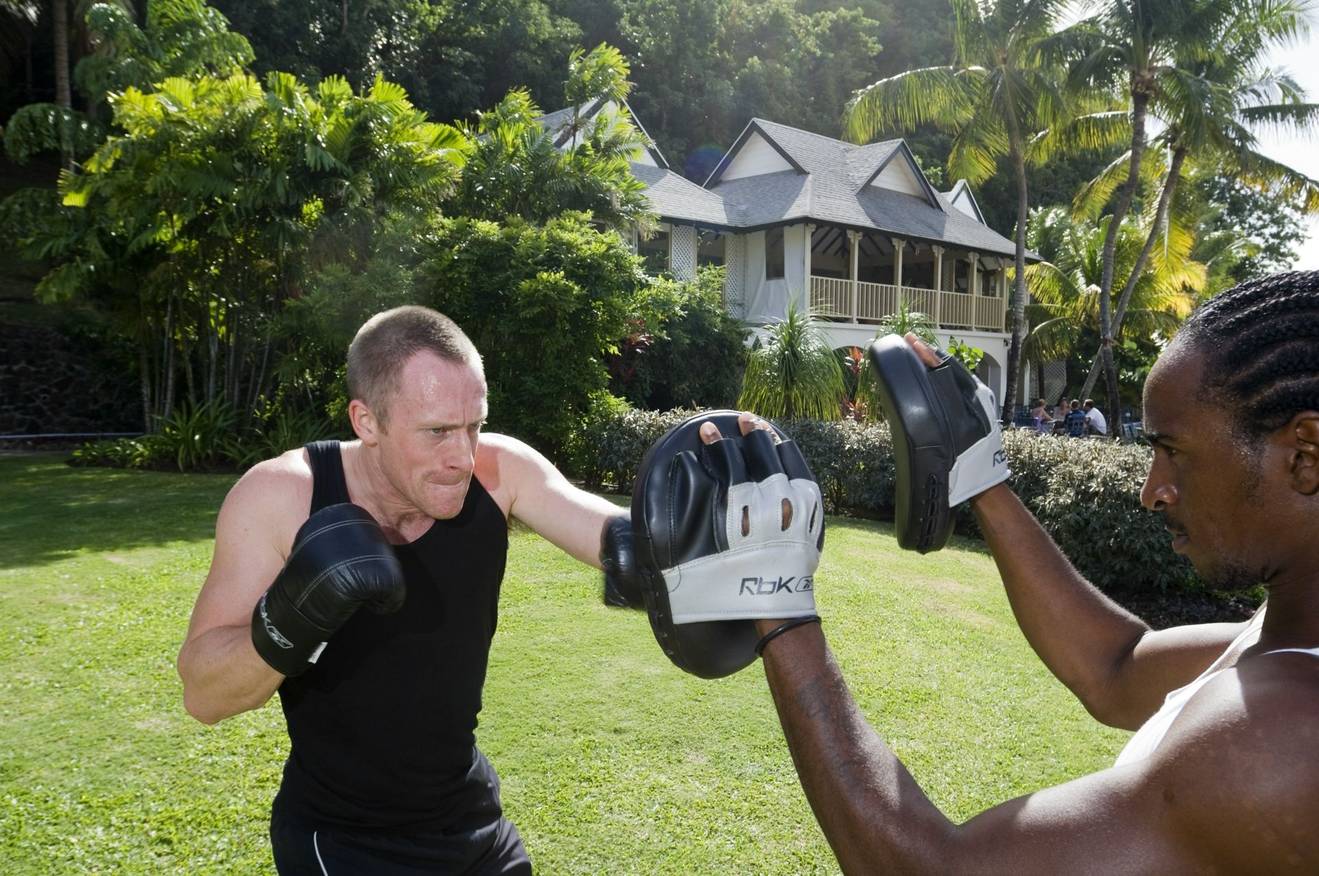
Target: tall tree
1211 105
198 220
1136 46
515 168
1001 89
1064 309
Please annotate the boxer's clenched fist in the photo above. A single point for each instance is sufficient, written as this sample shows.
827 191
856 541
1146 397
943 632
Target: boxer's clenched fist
340 561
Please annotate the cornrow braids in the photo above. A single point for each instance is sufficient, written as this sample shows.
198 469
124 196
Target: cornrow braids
1261 345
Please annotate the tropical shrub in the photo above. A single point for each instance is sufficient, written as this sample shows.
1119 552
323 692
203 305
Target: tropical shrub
609 448
147 451
694 354
544 305
194 436
792 372
275 428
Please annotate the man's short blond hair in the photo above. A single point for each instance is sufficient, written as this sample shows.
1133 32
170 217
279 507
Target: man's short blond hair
387 340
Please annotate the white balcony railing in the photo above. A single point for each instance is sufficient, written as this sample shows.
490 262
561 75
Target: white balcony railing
872 302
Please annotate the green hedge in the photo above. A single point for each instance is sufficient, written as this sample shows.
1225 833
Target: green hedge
1086 494
211 437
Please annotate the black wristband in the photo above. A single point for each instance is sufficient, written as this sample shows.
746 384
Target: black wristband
783 628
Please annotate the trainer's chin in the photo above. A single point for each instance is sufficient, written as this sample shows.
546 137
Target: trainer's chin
1225 576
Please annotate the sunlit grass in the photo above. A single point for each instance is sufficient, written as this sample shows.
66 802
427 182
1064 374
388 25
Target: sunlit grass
612 760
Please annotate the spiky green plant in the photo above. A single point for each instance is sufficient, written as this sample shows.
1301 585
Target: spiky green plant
793 373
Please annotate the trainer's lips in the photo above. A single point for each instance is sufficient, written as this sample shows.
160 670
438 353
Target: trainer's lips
1179 539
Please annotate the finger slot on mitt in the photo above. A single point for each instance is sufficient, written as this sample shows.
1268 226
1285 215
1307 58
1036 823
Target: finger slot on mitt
761 455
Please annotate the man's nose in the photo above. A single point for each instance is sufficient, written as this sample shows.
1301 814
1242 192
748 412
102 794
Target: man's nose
1157 493
461 454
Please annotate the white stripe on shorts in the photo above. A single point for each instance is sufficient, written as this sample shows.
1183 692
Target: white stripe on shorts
317 846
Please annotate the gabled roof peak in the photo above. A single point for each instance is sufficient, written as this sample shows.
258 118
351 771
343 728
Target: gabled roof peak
556 123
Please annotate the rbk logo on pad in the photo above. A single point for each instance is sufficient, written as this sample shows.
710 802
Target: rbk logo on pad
756 586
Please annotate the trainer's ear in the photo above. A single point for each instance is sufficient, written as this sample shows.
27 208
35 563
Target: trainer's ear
365 423
1303 431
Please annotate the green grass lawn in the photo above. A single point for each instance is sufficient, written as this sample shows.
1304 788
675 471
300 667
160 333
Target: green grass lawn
612 760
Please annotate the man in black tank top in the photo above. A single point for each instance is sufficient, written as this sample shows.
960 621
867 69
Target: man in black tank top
361 582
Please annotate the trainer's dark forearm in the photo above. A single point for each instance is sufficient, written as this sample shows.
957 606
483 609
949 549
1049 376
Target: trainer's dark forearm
1080 634
873 813
223 675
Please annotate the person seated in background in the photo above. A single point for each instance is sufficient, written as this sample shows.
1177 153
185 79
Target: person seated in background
1040 418
1074 421
1095 424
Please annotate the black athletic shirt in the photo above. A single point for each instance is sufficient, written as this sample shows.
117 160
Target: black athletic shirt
383 726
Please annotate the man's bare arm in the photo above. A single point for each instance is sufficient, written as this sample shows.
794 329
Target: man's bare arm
221 670
1212 798
545 500
1108 657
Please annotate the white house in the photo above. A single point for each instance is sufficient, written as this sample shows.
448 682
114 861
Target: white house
847 231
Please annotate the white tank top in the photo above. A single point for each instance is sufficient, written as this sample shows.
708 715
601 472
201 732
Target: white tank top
1151 733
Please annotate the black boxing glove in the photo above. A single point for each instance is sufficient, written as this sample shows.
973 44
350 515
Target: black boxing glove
340 561
618 559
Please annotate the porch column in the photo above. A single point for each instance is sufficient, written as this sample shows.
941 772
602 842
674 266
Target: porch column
898 244
806 264
938 281
853 250
974 280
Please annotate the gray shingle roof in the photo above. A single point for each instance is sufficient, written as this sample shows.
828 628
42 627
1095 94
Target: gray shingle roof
833 190
554 122
557 123
676 197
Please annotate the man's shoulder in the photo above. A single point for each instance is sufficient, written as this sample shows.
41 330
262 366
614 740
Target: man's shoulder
1260 703
1242 754
281 484
506 450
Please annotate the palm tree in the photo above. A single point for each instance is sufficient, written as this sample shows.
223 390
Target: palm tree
1065 296
793 373
1002 89
1210 108
1144 48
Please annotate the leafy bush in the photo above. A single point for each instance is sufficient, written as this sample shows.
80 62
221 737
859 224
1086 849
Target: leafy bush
1086 494
653 368
609 448
792 372
195 435
274 429
543 305
209 437
147 451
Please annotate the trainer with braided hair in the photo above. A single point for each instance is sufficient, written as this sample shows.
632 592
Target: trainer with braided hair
1222 774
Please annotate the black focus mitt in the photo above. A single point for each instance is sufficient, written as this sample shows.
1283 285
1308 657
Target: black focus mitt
946 439
726 533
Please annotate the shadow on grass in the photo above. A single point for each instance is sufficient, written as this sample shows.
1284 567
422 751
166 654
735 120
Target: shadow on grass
49 510
885 528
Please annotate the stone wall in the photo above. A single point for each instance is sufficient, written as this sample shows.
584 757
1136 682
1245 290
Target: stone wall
59 379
